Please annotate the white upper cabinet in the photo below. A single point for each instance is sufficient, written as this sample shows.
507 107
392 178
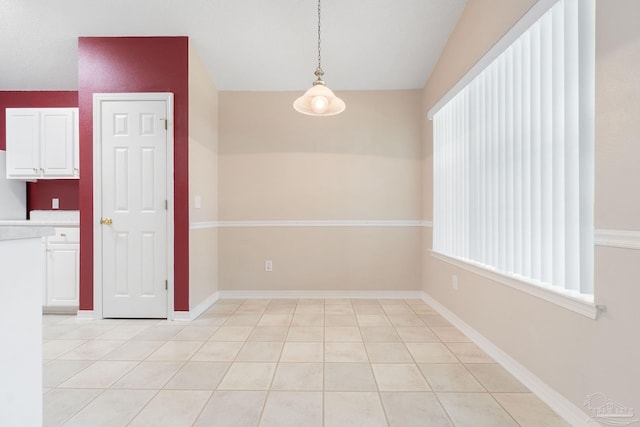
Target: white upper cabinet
42 143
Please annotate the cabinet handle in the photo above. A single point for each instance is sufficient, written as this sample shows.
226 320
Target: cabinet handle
106 221
35 169
42 170
63 235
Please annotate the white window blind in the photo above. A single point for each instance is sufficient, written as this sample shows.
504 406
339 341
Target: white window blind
513 157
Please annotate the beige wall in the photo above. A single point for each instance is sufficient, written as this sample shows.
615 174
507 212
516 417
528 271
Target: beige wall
277 164
203 146
320 258
617 114
574 355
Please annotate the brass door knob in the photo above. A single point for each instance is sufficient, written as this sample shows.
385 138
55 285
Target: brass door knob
106 221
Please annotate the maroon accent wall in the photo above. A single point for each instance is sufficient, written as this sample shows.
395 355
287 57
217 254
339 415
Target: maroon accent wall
135 64
39 194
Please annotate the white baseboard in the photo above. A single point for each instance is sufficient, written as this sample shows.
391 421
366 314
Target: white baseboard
86 315
560 404
62 309
177 315
186 316
322 294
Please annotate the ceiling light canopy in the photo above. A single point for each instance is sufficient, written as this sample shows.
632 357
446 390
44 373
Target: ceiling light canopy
319 100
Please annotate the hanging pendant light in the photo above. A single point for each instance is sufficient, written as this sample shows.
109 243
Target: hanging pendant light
319 100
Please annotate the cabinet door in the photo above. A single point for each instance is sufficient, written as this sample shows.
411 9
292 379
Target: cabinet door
63 271
23 142
57 127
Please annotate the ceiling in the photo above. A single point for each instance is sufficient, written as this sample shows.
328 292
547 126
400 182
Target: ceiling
250 45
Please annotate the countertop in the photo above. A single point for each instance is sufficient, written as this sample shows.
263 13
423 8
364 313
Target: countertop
24 232
41 224
45 219
37 223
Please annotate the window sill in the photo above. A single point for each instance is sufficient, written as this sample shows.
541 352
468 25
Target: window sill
578 303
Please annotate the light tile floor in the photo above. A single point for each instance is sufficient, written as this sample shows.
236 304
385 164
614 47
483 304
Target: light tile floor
332 363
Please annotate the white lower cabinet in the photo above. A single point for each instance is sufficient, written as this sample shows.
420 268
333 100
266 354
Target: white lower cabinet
63 269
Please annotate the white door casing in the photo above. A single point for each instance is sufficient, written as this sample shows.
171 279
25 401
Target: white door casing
133 188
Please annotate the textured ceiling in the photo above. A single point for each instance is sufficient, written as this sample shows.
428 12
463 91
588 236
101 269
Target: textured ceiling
253 45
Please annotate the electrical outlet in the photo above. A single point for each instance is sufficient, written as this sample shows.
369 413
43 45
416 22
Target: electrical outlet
55 203
454 282
268 265
198 202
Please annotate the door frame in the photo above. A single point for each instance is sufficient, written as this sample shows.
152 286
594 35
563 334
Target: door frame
98 100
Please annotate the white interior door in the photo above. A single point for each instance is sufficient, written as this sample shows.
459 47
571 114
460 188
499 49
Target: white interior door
134 208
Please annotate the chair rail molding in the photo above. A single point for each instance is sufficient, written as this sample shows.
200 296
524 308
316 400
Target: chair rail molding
626 239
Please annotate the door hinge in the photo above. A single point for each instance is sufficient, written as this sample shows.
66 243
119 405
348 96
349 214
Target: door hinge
166 285
166 121
166 205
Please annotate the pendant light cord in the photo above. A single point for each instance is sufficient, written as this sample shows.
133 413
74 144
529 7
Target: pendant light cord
319 54
319 100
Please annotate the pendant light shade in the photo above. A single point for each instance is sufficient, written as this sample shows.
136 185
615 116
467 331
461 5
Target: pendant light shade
319 100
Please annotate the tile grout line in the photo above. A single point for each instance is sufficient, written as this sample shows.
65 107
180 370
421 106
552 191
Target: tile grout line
268 391
57 387
384 410
158 390
324 360
435 394
133 418
104 390
213 392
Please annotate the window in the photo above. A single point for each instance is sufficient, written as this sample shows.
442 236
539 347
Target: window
514 154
